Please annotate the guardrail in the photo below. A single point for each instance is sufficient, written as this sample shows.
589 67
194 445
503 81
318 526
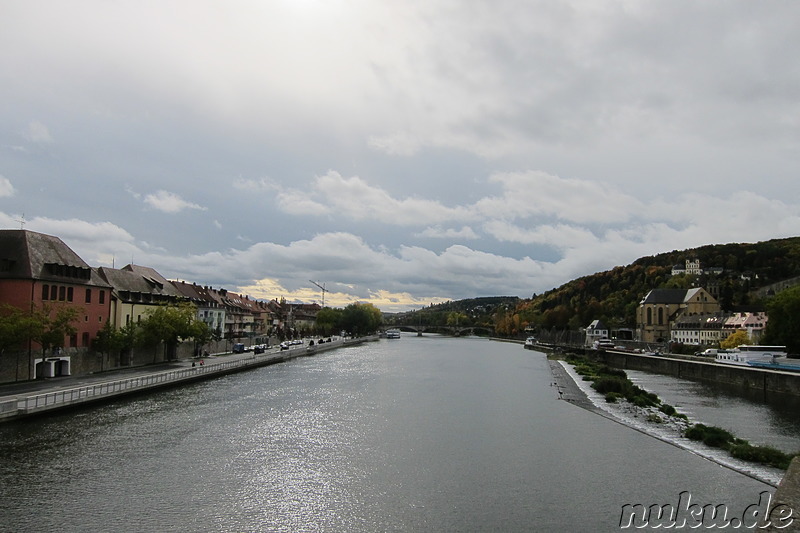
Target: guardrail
66 397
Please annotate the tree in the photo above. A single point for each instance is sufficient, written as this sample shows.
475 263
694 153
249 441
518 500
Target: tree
169 324
361 318
108 340
16 326
783 327
329 320
735 339
51 325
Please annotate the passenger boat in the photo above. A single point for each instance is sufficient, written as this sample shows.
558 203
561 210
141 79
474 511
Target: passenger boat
392 333
746 354
778 363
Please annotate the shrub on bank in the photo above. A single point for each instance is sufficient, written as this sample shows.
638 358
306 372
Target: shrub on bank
614 384
612 397
739 448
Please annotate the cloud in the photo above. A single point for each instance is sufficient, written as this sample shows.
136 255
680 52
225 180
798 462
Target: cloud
6 188
437 232
36 132
169 202
539 194
355 199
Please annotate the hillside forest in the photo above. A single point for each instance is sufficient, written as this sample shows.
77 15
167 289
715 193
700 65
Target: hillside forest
741 278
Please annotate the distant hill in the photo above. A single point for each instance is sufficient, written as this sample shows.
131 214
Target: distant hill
614 295
472 311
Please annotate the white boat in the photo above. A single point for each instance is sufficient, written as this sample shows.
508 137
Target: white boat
530 343
602 344
392 333
746 354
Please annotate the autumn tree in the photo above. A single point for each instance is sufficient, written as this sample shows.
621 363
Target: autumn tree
735 339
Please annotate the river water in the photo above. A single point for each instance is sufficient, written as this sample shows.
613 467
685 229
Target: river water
417 434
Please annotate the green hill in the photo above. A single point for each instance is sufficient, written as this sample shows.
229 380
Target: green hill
614 295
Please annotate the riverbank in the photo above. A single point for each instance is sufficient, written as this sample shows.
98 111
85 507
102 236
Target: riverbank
571 387
21 400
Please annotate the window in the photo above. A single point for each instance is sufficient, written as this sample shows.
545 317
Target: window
69 294
85 338
45 292
62 293
53 292
88 296
102 297
660 316
649 316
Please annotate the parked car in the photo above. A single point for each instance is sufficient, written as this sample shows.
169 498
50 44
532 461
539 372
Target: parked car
238 348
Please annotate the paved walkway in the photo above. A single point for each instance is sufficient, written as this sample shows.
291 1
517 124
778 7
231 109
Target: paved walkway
10 391
22 399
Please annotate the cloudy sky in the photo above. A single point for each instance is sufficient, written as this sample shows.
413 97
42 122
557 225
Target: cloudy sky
397 152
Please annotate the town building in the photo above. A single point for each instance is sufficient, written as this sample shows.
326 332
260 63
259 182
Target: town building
753 322
40 272
137 290
596 331
661 307
699 329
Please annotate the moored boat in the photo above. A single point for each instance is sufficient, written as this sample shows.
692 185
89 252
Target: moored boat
530 343
746 354
392 333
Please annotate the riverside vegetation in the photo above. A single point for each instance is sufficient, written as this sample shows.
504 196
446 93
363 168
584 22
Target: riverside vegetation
615 385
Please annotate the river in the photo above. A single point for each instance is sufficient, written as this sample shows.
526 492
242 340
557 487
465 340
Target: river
416 434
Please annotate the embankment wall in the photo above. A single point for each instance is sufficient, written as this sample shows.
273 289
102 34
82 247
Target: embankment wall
746 378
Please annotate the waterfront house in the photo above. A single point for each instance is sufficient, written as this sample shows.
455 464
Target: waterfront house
135 291
596 331
698 329
752 321
210 309
39 271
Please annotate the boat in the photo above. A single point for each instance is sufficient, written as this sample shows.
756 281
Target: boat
602 344
746 354
392 333
777 363
530 343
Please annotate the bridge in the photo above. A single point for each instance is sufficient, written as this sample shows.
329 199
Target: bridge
455 331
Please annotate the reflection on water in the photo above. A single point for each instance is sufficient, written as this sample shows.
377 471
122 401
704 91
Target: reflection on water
421 434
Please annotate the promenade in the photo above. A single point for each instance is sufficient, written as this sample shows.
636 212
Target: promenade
23 399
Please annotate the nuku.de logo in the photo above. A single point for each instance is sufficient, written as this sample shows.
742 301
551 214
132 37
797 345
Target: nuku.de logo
693 515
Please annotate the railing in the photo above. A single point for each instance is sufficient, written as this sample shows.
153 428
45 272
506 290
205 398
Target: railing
96 391
109 388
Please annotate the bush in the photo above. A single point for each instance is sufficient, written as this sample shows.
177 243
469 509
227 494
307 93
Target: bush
667 409
609 384
765 455
612 397
710 435
642 400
